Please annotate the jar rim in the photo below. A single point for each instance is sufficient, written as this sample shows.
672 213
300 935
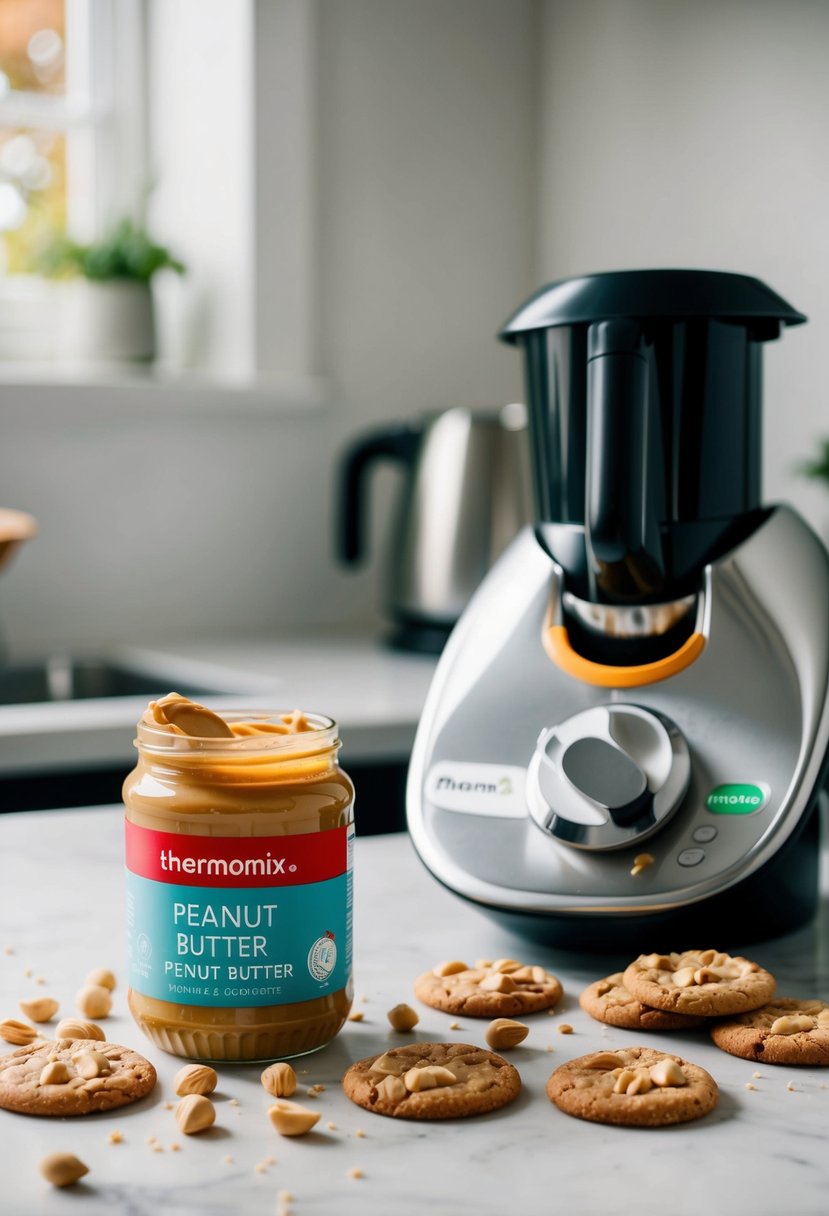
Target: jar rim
321 737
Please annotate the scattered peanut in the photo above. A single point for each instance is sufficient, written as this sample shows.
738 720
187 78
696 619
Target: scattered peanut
17 1033
291 1119
102 977
506 965
564 1028
94 1001
355 1172
116 1137
403 1018
41 1009
279 1080
195 1113
62 1169
504 1033
356 1015
195 1079
74 1028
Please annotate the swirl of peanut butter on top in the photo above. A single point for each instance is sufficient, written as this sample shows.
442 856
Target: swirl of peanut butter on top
181 716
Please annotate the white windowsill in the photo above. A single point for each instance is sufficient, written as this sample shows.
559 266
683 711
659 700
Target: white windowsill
95 391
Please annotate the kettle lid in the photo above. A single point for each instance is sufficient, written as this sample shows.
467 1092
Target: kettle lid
677 294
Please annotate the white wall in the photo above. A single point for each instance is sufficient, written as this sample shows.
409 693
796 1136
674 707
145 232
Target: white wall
695 134
160 524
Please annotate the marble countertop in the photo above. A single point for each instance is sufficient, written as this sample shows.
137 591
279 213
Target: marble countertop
61 913
374 693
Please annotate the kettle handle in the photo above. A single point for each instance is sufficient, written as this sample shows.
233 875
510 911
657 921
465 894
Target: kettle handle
395 443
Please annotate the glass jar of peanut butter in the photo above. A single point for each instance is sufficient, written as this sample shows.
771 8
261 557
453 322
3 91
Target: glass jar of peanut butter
239 840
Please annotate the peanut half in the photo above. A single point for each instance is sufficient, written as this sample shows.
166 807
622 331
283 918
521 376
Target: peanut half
55 1073
41 1009
94 1001
89 1064
17 1033
279 1080
195 1079
195 1113
62 1169
431 1076
792 1024
504 1033
74 1028
102 977
450 967
291 1119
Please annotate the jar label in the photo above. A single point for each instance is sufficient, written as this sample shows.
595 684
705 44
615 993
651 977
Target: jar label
238 921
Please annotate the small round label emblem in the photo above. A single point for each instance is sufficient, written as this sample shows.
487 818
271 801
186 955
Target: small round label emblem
322 957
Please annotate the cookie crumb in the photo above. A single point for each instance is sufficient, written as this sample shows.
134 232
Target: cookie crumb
360 1133
750 1086
228 1160
260 1168
175 1148
168 1106
157 1148
455 1026
549 1047
8 949
28 973
285 1197
40 980
355 1172
151 1140
235 1102
791 1087
564 1028
116 1137
332 1127
318 1089
356 1016
757 1074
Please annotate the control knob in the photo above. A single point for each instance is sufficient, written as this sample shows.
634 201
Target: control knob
607 777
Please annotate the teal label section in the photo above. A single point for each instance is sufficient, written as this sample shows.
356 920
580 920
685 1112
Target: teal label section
737 798
239 947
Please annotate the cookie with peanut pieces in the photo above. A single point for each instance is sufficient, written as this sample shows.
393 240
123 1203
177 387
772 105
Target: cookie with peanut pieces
499 989
432 1081
704 983
609 1001
633 1087
786 1031
73 1077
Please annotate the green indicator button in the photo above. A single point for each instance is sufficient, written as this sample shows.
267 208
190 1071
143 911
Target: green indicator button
737 799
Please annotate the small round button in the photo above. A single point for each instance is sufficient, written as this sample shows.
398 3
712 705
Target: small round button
691 857
705 833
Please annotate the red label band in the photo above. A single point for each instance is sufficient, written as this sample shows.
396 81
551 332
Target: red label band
234 861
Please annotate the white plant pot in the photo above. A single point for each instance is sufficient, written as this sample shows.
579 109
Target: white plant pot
105 323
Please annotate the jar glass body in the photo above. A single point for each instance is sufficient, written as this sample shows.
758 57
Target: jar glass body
231 844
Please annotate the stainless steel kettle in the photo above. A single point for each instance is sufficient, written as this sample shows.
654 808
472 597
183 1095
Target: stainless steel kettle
465 496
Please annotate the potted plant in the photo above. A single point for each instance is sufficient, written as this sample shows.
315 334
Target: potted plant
819 467
106 313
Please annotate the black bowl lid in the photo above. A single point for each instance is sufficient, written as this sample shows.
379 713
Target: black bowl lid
679 294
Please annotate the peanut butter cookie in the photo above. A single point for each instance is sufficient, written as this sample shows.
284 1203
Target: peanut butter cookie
497 989
73 1077
786 1031
633 1087
432 1081
609 1001
705 983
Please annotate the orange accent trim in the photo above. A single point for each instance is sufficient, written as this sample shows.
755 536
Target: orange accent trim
557 645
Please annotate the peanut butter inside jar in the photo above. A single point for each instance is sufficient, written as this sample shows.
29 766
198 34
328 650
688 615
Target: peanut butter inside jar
239 831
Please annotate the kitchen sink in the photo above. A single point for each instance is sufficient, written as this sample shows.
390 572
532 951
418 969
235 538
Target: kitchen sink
67 678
